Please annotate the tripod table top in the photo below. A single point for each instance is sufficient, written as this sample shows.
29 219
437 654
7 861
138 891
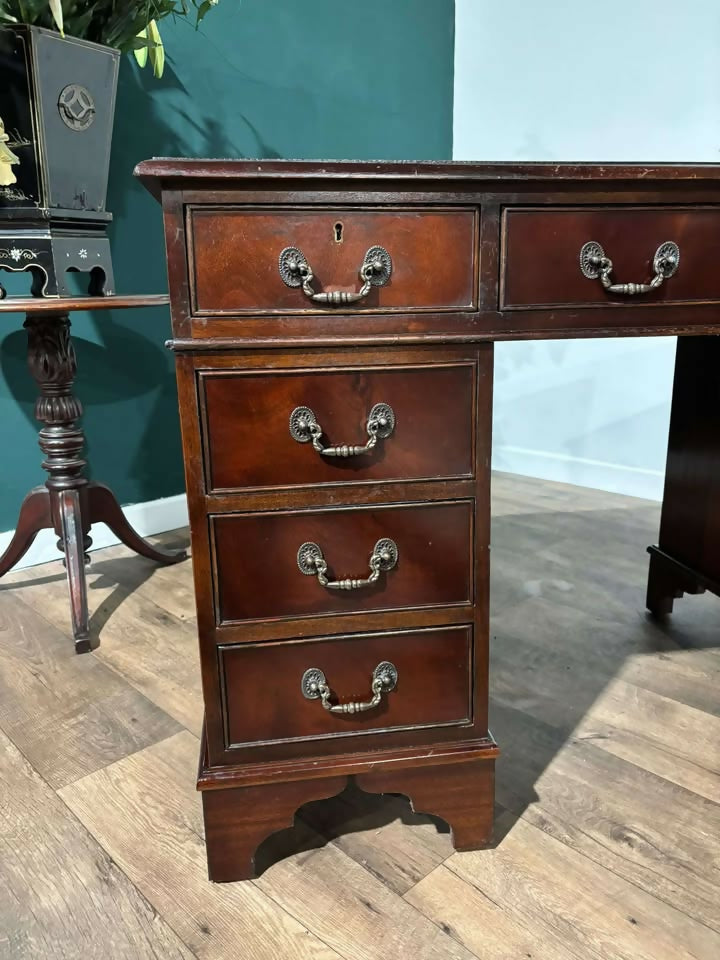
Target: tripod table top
68 304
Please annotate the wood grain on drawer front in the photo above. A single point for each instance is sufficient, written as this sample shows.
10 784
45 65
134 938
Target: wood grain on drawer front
248 440
258 578
263 700
541 254
234 258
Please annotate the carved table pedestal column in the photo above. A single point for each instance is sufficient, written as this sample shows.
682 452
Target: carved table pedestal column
68 503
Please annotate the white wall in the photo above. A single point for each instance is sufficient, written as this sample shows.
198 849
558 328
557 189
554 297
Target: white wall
565 80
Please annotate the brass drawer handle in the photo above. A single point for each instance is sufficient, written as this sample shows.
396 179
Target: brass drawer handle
312 563
594 264
295 271
314 685
304 427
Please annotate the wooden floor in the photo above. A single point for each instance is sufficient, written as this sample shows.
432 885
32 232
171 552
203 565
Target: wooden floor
608 820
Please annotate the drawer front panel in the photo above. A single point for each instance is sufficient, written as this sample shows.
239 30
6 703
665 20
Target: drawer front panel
235 255
263 699
249 444
541 255
258 577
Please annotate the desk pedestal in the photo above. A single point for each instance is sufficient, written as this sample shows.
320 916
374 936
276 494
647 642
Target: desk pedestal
687 557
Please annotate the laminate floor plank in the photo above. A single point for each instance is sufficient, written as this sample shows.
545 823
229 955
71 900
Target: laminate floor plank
382 834
171 588
629 722
61 895
480 924
153 650
543 883
146 813
663 838
68 714
630 745
582 684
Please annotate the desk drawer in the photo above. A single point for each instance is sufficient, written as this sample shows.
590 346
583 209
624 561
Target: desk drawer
235 259
262 574
264 686
256 435
542 256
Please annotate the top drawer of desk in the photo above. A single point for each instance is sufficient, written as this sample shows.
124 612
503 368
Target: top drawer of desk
234 258
541 255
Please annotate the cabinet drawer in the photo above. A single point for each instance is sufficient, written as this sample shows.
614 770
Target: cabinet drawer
264 700
257 564
542 255
235 258
252 438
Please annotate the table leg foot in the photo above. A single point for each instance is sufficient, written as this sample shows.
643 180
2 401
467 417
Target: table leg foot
669 580
104 508
73 545
35 515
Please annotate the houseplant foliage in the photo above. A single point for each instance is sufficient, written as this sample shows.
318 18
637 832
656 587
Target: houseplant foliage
123 24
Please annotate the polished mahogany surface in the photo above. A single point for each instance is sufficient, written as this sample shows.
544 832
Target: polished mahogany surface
167 173
246 414
541 254
70 304
234 257
264 701
256 559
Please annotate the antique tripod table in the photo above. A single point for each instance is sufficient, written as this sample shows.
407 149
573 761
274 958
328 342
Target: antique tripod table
68 502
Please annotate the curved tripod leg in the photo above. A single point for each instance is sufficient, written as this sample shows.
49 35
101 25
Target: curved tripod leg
73 542
35 515
104 508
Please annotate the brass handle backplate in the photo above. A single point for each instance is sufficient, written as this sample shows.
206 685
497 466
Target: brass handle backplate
295 271
314 685
595 265
312 563
304 428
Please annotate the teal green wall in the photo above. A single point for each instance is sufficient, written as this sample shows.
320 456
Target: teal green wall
264 78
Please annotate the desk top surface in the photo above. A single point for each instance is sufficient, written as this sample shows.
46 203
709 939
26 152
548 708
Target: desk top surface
152 172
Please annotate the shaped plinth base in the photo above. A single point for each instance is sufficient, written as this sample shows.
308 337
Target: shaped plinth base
459 789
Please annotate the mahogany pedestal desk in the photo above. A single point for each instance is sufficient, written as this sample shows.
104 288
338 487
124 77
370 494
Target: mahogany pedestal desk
67 502
333 326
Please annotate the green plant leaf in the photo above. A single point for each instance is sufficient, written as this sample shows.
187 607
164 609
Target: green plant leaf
115 23
141 54
57 13
157 50
203 9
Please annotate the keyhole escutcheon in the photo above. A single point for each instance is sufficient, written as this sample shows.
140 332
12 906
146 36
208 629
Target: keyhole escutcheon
338 228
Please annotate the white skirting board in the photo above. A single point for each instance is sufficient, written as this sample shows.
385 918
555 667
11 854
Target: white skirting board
154 516
613 477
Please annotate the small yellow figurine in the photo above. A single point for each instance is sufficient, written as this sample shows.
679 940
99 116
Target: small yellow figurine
7 159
